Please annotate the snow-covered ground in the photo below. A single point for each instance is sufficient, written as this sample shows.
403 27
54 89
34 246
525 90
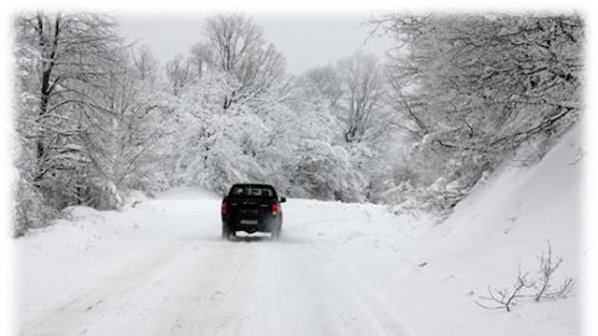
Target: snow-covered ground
158 267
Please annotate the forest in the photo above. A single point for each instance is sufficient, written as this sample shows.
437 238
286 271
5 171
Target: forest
457 95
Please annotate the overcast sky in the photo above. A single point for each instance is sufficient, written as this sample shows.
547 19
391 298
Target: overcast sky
306 41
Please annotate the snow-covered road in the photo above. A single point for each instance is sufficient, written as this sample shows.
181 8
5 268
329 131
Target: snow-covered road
160 267
186 281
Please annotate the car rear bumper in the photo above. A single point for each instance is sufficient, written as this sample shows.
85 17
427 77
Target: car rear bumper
251 225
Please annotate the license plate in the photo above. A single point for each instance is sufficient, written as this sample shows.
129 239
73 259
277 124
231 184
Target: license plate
248 222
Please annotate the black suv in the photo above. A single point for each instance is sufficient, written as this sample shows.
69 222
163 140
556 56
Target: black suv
251 208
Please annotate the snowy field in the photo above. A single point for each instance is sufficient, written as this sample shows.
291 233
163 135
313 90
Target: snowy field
159 267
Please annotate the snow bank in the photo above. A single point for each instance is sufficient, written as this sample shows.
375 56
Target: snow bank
188 193
505 224
89 243
520 208
432 274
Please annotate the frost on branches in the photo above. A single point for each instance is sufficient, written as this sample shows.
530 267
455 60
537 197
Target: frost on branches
474 89
96 117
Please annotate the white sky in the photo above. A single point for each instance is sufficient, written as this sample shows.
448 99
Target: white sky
306 41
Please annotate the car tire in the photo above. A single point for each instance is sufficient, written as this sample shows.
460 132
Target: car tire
225 232
276 233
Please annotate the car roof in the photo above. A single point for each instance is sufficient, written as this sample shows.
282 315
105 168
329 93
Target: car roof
252 185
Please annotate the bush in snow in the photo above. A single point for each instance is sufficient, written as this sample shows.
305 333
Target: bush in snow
543 285
506 298
31 210
325 172
538 288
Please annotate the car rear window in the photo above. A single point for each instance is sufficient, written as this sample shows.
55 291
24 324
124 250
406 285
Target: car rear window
252 191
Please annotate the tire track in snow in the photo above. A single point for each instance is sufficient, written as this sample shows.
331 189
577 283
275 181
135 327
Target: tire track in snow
212 296
273 288
86 305
198 286
369 300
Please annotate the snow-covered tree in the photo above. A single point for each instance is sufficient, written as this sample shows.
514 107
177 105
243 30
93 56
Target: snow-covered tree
178 71
472 89
236 46
69 57
361 78
91 119
146 64
324 82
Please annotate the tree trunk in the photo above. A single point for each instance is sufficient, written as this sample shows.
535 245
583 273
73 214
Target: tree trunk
48 62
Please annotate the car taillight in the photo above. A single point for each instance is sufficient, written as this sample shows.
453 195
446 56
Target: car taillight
223 208
274 209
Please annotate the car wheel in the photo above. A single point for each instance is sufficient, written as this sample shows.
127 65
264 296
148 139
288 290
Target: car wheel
276 233
225 232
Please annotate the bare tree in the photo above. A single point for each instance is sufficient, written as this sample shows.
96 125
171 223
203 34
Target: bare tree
237 48
200 58
326 83
178 72
145 63
362 81
234 39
